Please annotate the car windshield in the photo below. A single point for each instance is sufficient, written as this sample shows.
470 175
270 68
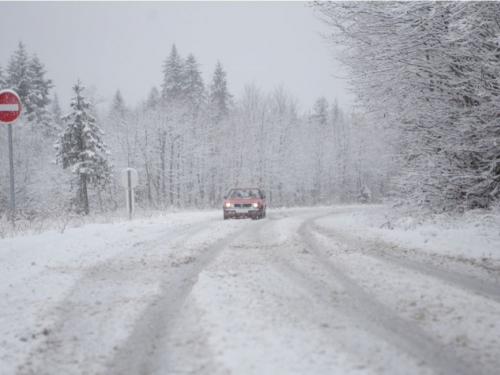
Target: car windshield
244 193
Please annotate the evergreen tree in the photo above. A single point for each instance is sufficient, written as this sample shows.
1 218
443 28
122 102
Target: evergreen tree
220 98
57 111
80 147
118 107
2 79
153 98
173 77
19 78
194 89
321 110
123 132
39 91
26 77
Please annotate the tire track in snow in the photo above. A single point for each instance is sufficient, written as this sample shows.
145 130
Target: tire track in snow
321 304
381 321
142 353
471 284
81 318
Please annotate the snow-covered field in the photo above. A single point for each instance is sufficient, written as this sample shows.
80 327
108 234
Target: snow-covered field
331 290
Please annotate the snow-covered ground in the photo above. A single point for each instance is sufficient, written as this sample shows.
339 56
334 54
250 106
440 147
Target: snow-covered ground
330 290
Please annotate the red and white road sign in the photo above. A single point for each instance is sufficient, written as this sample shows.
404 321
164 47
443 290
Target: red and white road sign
10 106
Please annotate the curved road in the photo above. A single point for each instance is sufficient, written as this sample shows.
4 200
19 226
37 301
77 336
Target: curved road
284 295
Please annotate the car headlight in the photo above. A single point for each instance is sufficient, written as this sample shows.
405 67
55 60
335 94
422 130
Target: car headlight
228 205
256 205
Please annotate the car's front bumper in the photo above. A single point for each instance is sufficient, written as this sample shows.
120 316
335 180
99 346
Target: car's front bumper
242 212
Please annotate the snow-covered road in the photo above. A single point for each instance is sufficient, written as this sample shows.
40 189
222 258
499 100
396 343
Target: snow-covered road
295 293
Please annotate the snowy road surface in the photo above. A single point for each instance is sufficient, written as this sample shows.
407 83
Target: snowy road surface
299 292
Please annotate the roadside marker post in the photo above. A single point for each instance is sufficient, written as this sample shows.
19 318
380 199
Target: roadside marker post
10 109
129 179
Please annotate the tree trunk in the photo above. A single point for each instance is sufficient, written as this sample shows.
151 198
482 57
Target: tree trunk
84 194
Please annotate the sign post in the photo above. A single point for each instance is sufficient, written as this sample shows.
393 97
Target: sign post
129 179
10 109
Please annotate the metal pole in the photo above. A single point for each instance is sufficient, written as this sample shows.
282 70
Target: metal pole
129 194
11 165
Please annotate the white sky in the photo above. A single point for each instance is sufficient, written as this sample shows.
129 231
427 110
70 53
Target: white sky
122 45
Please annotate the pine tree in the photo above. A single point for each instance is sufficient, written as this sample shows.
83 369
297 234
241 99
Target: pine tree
153 98
173 77
19 78
194 89
321 110
26 76
118 107
39 91
220 98
80 147
122 137
2 79
57 111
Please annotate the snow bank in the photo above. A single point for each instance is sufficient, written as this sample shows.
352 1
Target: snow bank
473 235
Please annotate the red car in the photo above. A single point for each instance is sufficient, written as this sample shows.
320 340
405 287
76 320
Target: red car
244 202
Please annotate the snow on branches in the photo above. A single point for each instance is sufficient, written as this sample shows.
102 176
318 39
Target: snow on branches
80 147
429 72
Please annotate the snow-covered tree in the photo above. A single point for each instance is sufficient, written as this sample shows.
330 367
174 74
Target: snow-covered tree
318 152
81 148
92 95
2 79
122 132
26 76
219 96
173 77
19 78
194 88
118 106
57 111
153 98
428 74
39 92
321 110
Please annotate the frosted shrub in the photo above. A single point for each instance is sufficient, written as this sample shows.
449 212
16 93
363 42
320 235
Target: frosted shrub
405 223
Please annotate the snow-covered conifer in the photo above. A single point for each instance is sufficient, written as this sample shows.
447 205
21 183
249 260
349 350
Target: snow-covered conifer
173 77
321 110
219 96
153 98
80 147
2 79
122 130
194 88
26 76
19 78
39 92
118 106
57 111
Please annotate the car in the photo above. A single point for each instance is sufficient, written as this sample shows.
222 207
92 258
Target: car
243 203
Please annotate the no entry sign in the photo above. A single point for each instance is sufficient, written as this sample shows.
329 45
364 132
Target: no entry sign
10 106
10 109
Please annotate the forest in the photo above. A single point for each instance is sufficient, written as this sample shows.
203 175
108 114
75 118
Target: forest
424 132
190 142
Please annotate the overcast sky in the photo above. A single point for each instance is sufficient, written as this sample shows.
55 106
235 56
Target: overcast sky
122 45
